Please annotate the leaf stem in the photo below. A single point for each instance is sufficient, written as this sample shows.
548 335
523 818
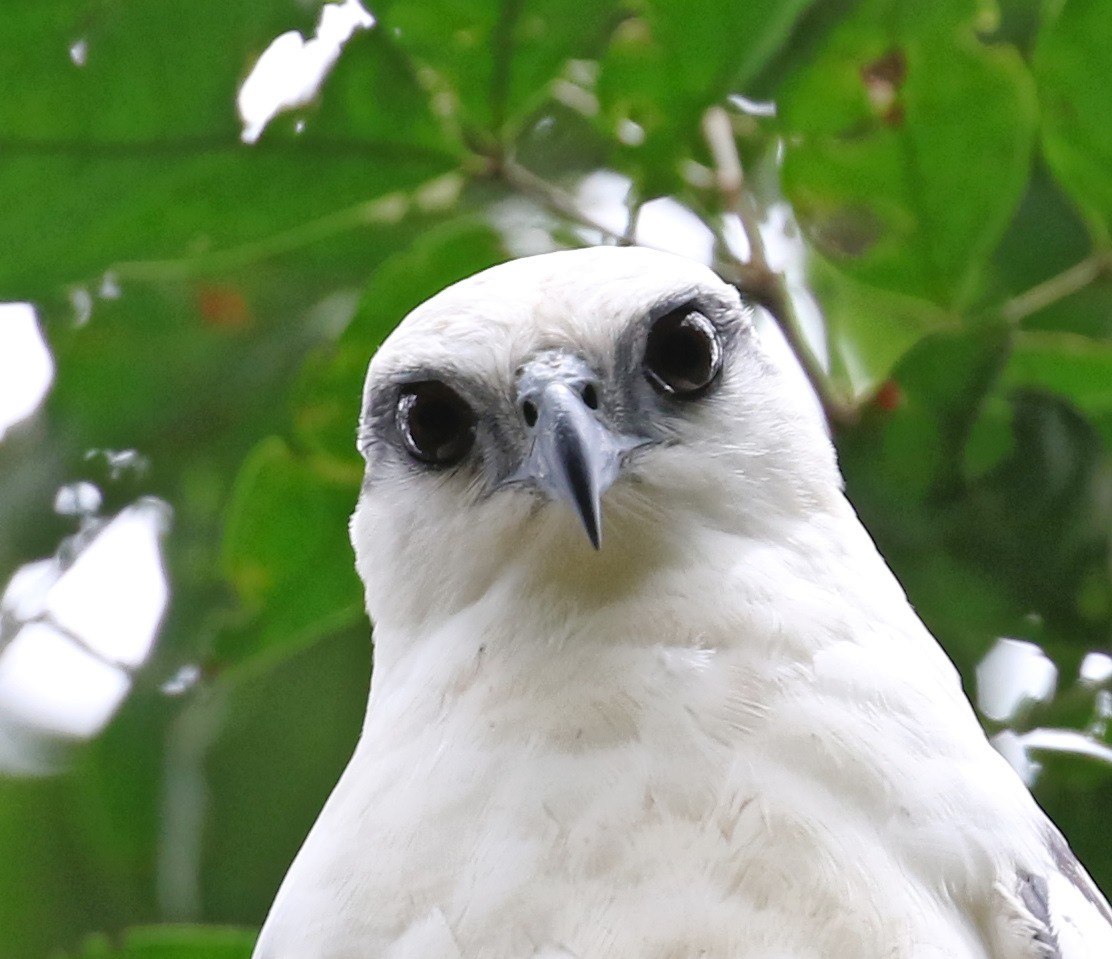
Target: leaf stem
1058 287
385 210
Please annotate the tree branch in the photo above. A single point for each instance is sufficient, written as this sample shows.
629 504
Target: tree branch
776 299
730 180
754 277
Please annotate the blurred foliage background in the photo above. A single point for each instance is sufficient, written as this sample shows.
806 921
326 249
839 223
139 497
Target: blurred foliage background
919 194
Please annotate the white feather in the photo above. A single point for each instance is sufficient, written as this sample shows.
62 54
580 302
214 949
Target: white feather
726 734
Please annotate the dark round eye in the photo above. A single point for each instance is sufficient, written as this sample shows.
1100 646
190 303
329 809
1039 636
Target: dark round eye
682 355
436 424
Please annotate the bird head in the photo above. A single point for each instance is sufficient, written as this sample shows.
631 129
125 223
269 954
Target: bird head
574 421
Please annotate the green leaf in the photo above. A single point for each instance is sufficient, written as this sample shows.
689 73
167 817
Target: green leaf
373 95
908 146
39 907
328 393
133 369
1075 367
1039 519
135 156
989 502
1074 72
1087 312
1045 237
869 330
286 552
906 455
173 942
493 60
666 66
313 704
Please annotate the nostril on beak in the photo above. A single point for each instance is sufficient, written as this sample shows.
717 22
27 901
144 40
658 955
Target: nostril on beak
529 413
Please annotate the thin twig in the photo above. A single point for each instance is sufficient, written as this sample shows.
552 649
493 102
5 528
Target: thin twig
839 411
777 301
727 164
1058 287
730 180
754 276
548 195
634 205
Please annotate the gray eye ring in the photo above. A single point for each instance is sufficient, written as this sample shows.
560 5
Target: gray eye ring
683 354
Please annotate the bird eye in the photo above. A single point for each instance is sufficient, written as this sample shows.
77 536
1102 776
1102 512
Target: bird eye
436 424
683 354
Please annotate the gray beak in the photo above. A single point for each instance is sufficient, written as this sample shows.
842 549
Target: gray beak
573 456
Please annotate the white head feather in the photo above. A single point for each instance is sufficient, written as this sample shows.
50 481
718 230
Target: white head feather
747 457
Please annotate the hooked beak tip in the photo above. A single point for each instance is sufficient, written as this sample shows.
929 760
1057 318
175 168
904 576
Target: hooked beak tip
583 484
594 530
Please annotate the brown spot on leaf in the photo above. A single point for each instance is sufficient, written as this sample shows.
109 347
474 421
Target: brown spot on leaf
889 70
894 115
889 397
224 307
883 79
848 232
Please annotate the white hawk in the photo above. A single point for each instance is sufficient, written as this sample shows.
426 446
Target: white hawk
643 686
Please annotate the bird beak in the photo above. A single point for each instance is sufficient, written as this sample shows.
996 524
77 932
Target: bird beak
574 457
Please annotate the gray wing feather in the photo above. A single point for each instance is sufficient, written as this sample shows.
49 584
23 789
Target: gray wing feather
1035 896
1067 864
1059 914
